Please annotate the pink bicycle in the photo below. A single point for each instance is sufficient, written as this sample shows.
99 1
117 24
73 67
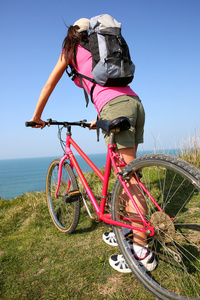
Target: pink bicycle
171 188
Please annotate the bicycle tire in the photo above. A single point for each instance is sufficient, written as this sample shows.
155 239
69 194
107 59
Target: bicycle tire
65 214
175 184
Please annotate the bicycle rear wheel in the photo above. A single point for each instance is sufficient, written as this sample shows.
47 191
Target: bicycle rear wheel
65 209
175 185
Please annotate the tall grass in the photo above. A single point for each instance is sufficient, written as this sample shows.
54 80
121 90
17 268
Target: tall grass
190 150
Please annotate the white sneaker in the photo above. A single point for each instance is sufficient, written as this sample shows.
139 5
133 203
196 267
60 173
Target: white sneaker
118 263
148 262
110 239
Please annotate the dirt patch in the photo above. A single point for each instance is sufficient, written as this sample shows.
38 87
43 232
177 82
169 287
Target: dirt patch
111 285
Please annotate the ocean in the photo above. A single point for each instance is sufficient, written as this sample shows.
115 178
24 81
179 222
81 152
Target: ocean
20 176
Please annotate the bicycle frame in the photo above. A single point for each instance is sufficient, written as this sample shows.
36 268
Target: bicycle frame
110 159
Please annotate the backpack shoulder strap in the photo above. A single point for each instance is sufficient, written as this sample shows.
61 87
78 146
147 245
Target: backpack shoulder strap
74 74
85 45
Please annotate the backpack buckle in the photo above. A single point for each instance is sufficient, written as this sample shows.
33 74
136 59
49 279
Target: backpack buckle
73 72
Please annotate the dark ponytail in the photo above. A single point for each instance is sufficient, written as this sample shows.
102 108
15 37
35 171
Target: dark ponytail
70 43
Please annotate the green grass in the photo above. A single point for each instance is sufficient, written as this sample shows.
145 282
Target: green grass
39 262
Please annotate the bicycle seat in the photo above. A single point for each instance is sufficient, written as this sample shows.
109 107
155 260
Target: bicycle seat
114 126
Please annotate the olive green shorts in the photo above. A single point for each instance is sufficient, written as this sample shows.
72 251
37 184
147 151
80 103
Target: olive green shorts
132 108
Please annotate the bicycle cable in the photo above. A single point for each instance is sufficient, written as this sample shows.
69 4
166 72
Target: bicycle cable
62 142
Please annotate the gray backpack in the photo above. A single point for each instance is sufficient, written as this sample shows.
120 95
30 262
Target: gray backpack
111 62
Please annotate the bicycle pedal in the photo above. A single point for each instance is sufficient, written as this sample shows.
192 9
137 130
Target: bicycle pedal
72 196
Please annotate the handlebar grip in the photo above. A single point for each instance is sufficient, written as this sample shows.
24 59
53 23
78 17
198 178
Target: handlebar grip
86 125
31 124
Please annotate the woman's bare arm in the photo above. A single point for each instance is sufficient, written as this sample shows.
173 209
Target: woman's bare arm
52 81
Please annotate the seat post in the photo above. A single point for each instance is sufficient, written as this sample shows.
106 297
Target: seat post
111 140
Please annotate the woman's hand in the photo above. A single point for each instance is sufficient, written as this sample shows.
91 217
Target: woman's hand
39 121
92 124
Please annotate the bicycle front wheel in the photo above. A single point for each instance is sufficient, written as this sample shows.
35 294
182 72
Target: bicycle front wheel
64 211
175 185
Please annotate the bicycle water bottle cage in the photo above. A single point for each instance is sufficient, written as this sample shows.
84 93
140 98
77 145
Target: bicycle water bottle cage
114 126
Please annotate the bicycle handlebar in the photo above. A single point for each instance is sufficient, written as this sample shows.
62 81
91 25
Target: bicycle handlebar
65 124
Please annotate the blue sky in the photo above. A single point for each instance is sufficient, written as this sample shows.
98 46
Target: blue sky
164 41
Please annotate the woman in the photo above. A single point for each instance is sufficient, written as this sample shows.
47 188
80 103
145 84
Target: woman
110 103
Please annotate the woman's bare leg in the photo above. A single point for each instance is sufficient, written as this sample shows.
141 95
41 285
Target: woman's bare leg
128 154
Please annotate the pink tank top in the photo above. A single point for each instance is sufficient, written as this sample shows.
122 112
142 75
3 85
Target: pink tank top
101 95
